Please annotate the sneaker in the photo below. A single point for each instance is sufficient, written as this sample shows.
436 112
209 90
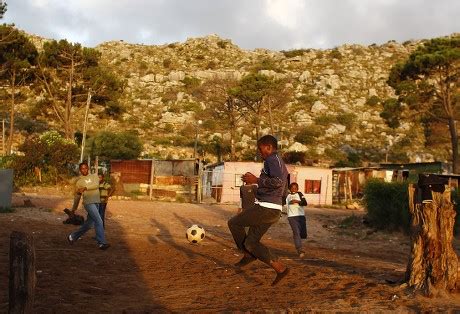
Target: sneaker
244 261
301 254
70 239
280 276
104 246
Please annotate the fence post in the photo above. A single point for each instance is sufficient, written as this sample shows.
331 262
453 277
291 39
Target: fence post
200 183
152 172
22 273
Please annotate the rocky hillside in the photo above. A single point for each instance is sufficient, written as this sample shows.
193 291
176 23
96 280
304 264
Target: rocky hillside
338 93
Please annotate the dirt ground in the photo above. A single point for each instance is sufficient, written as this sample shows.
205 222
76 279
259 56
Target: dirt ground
151 267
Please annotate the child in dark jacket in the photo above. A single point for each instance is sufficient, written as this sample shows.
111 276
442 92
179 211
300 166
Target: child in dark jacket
295 202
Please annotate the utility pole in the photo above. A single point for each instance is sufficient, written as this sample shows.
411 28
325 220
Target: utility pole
83 141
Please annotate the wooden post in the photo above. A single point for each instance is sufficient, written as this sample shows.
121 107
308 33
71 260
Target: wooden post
152 172
22 273
432 266
199 182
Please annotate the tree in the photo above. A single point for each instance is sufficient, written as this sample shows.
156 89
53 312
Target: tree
3 6
223 107
48 155
68 74
258 95
17 56
109 145
428 88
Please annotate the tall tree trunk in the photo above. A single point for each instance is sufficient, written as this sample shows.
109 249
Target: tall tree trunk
68 105
432 267
232 143
12 113
454 142
272 130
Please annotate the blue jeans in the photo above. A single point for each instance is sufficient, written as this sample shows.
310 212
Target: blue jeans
93 219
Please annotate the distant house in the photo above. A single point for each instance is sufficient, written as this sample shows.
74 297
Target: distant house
222 181
348 183
156 178
410 171
314 182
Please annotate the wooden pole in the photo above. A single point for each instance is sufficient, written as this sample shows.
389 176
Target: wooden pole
151 181
199 183
83 141
22 273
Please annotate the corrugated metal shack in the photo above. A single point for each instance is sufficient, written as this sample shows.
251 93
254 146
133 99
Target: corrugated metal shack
173 179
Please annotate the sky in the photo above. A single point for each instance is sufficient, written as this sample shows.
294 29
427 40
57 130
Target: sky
250 24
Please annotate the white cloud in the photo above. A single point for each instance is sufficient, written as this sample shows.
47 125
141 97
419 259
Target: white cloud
272 24
285 12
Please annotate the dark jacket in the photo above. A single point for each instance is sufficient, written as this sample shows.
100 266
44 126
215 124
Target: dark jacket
272 181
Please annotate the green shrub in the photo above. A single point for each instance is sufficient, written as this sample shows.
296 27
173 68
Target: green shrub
308 135
191 82
387 204
346 119
325 119
335 54
307 99
167 63
294 157
294 53
222 44
373 101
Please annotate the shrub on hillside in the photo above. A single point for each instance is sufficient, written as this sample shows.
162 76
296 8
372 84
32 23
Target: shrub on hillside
308 135
387 204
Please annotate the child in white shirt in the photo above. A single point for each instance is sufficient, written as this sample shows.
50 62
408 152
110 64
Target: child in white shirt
295 202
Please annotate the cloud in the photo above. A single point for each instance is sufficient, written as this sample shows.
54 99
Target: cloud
272 24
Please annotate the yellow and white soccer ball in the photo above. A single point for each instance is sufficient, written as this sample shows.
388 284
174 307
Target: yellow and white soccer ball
195 234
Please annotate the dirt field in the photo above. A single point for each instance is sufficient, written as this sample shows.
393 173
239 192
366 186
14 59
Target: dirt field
151 267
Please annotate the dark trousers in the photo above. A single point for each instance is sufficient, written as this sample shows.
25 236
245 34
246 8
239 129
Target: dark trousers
299 230
102 207
258 219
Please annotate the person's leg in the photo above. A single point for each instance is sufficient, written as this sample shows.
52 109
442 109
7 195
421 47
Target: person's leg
74 236
102 207
237 224
93 212
265 218
295 226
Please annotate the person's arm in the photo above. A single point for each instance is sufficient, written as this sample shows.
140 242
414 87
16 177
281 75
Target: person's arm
274 174
111 189
76 201
303 200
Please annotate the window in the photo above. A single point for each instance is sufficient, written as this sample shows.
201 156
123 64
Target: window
312 186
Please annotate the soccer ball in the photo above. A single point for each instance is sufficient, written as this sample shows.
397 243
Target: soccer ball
195 234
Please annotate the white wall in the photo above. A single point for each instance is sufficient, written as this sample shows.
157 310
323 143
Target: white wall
301 173
232 181
229 175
